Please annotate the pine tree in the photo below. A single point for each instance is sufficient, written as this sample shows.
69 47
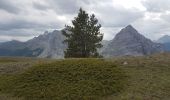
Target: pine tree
84 37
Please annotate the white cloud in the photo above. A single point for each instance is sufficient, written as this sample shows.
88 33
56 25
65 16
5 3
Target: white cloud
156 5
27 18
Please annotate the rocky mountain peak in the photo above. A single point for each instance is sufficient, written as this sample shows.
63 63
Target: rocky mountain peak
130 42
128 35
128 29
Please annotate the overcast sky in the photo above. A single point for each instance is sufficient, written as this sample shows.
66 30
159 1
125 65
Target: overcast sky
24 19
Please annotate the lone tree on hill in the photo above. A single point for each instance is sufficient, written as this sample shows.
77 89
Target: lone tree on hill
84 37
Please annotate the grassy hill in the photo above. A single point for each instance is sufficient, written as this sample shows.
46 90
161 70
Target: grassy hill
72 79
124 78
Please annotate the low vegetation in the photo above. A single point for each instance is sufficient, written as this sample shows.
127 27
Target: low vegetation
72 79
124 78
149 77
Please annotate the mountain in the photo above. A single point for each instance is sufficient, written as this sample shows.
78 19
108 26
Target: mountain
166 46
48 45
164 39
51 44
129 42
104 43
15 48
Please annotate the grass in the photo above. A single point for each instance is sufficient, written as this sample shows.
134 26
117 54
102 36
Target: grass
73 79
149 77
7 60
141 78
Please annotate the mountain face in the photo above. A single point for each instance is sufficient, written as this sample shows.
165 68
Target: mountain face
51 44
166 46
164 39
48 45
129 42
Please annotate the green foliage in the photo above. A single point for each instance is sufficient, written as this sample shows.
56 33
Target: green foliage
84 37
72 79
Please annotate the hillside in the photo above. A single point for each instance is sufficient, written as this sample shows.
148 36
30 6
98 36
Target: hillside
134 78
71 79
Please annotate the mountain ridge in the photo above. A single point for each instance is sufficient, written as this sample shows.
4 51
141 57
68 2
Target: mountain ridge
50 45
47 45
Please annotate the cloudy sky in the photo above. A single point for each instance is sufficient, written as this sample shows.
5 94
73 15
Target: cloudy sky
24 19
